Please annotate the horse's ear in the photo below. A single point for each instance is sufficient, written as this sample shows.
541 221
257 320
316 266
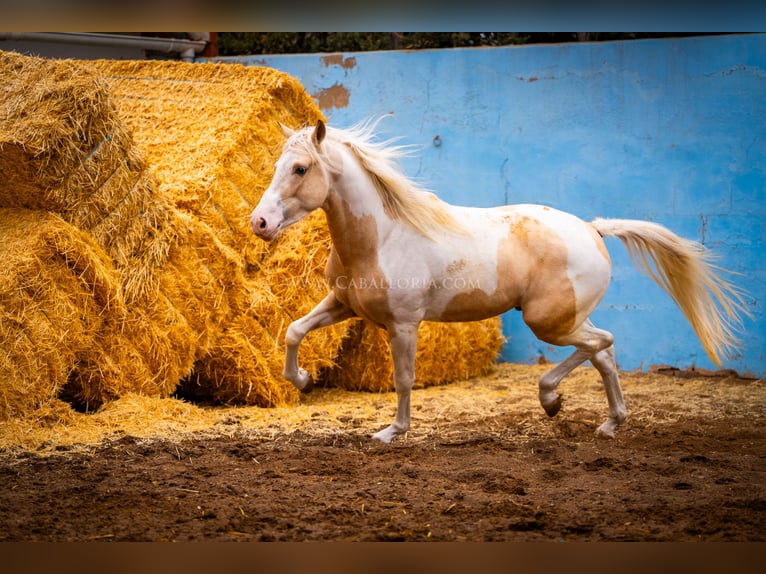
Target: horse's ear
319 133
285 130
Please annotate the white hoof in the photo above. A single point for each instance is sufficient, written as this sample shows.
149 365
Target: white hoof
607 429
387 434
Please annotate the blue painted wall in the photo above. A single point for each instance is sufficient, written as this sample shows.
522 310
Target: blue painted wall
671 131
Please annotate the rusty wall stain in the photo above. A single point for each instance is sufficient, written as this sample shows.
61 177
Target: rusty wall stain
338 60
336 96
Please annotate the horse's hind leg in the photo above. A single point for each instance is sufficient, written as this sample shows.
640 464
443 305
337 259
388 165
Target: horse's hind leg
550 399
604 363
591 344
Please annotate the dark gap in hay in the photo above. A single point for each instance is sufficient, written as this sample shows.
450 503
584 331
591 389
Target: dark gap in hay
197 389
71 393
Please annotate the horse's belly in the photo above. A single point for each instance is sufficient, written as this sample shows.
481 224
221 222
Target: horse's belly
474 305
477 290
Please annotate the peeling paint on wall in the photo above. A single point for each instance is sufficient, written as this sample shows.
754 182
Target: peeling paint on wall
336 96
339 60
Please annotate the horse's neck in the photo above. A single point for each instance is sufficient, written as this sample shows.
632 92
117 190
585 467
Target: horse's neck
356 216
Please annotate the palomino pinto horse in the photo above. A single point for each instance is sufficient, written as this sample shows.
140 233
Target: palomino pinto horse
401 256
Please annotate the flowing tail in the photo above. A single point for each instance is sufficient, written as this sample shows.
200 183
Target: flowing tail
683 269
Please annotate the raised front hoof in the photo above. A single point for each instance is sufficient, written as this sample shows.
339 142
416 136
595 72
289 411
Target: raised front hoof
302 381
552 408
309 386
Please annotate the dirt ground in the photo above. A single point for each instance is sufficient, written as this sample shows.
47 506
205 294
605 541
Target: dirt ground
481 463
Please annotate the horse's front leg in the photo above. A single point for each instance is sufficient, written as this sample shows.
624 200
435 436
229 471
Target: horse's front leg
404 340
328 312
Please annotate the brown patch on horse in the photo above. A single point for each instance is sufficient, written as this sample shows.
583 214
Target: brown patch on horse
549 306
513 261
531 275
456 266
353 269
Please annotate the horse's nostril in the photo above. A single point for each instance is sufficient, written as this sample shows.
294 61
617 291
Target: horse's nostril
261 223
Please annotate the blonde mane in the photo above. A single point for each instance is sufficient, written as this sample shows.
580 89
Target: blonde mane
402 199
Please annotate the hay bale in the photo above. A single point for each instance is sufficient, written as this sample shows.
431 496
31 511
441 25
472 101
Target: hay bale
240 371
153 169
446 352
55 291
210 133
65 329
60 138
244 363
146 350
138 231
64 149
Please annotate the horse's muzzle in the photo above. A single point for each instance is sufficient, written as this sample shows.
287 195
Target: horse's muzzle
261 225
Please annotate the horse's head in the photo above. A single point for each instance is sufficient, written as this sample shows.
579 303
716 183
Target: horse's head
299 186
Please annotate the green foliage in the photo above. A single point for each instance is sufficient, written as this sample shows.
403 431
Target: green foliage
239 43
248 43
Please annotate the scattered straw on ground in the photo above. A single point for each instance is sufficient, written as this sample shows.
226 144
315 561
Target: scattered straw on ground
438 411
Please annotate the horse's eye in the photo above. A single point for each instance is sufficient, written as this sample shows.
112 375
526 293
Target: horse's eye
300 170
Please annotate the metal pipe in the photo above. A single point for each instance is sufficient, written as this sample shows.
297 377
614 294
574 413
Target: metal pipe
187 48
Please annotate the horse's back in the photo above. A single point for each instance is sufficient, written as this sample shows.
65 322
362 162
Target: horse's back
539 233
550 234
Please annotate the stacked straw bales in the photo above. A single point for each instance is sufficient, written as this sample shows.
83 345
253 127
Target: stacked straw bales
64 151
125 191
211 134
55 291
